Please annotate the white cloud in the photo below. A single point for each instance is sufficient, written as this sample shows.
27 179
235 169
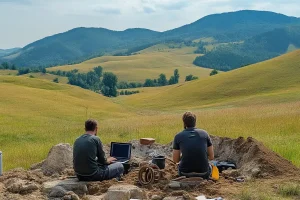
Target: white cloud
25 21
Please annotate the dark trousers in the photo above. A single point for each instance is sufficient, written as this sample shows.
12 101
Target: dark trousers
205 175
114 170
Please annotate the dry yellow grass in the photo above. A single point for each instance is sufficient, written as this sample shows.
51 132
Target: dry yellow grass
47 76
261 101
147 64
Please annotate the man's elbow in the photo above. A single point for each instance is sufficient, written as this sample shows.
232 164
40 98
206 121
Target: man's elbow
211 157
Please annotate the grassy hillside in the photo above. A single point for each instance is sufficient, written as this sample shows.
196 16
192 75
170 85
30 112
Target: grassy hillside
47 76
256 49
261 101
272 76
36 114
148 63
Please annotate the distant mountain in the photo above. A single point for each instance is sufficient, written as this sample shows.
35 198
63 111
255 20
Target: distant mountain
233 26
83 43
256 49
5 52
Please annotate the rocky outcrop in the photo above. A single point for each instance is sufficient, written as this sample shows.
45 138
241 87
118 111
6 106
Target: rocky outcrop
59 158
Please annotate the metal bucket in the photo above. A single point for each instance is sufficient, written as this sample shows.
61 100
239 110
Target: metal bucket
1 163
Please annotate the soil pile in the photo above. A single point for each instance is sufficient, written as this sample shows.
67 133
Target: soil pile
252 158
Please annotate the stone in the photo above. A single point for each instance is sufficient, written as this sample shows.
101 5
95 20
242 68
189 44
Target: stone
173 198
60 157
134 191
174 185
156 197
118 195
79 188
16 185
67 197
101 197
73 195
231 173
57 191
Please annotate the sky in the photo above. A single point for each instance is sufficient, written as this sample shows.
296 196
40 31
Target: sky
25 21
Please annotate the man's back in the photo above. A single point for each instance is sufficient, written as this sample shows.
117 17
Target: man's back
193 145
87 155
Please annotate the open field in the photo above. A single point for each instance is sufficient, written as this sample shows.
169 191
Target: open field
149 63
48 77
8 72
261 101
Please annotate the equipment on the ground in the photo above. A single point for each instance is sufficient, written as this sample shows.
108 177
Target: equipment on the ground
120 151
149 173
215 175
224 165
160 161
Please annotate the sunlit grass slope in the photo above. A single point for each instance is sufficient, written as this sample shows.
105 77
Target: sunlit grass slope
148 63
272 81
47 76
36 114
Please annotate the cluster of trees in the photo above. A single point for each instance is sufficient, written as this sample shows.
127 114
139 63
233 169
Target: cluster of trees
127 92
6 65
213 72
64 73
125 85
190 77
22 71
162 80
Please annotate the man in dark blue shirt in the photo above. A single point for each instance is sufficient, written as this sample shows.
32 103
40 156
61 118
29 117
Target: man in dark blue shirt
195 147
90 163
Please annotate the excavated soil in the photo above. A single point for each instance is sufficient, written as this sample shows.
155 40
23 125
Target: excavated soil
252 158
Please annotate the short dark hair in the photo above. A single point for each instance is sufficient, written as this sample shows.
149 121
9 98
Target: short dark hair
189 119
90 125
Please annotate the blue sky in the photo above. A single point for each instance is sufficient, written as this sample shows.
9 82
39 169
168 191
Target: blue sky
25 21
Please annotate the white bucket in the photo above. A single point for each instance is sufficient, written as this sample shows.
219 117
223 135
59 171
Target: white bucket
1 163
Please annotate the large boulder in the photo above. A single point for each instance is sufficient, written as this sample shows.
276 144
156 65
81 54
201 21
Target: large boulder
61 186
60 158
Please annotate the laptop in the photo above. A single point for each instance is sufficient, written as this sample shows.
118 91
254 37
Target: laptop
120 151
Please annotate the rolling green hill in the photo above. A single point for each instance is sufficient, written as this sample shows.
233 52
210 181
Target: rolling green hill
279 76
260 101
83 43
36 114
256 49
149 63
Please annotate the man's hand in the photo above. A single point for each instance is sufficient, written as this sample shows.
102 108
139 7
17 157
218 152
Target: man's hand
110 160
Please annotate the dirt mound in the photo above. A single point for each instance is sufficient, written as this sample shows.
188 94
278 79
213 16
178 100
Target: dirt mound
252 158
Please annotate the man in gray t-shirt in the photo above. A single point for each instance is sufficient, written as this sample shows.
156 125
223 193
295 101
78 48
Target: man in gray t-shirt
90 163
195 147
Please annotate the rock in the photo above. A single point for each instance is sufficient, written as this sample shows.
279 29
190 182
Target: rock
101 197
16 185
73 195
118 195
57 191
37 165
67 197
231 173
174 185
134 191
156 197
60 157
79 188
173 198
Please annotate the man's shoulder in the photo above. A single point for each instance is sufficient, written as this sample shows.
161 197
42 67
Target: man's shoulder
202 131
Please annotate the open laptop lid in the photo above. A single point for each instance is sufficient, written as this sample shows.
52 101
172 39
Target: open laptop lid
120 150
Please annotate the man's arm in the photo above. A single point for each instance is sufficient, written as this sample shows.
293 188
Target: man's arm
210 151
100 153
176 150
176 155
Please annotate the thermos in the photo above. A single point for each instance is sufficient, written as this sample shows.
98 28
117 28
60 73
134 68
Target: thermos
1 163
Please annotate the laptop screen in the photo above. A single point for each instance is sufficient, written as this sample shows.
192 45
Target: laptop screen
120 150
